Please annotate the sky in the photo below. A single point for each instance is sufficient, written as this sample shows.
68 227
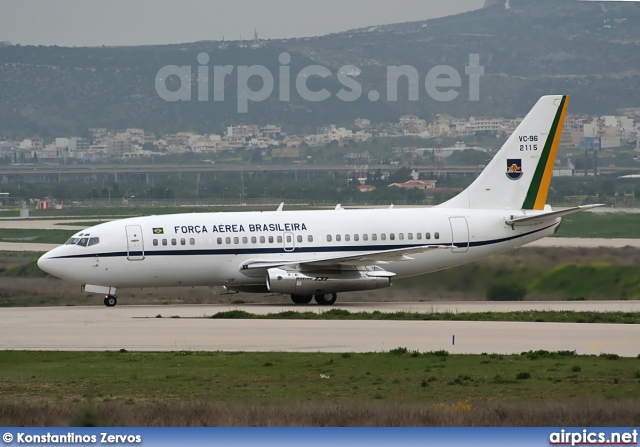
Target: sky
144 22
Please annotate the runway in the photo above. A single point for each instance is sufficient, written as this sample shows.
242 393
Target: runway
136 328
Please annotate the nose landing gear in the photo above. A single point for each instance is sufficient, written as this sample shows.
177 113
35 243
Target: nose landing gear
110 300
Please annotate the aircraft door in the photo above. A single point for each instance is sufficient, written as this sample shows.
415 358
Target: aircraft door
460 234
135 244
289 242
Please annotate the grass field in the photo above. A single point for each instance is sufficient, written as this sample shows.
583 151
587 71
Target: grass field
396 388
37 236
395 376
601 225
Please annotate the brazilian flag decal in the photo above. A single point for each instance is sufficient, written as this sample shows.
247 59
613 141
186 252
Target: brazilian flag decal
158 231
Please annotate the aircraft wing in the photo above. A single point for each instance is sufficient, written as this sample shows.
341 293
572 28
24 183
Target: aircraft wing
361 259
544 217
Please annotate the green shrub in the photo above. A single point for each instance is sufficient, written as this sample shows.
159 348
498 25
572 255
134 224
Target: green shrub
506 292
523 375
399 351
440 353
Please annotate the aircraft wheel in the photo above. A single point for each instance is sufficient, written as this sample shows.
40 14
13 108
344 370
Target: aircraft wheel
301 299
110 301
326 300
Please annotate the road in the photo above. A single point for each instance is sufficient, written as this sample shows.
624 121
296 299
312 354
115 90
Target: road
137 328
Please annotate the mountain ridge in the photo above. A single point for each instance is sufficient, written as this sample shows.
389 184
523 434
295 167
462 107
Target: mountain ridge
533 48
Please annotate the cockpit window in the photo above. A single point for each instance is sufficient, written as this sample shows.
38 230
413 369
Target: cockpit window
84 241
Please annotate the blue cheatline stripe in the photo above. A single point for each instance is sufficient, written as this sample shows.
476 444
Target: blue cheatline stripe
280 250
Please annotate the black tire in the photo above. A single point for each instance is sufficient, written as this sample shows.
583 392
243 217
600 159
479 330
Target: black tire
326 300
301 299
110 301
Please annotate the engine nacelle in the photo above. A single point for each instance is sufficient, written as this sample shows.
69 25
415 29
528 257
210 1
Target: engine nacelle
292 282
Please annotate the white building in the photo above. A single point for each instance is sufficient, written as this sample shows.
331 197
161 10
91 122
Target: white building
78 146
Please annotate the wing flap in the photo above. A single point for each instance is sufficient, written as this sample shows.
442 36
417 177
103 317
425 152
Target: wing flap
545 217
361 259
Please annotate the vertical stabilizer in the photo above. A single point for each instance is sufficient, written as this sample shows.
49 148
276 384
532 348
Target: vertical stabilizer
519 175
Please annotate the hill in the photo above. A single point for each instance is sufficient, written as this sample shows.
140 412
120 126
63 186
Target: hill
590 50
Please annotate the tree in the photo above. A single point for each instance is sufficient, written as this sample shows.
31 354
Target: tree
401 175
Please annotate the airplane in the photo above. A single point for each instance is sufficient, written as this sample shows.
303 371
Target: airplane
317 254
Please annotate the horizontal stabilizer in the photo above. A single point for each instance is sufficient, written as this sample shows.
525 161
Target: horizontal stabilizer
545 217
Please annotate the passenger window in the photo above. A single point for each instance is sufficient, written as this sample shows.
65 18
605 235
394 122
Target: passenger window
192 241
365 237
254 240
245 240
419 235
271 239
310 238
236 240
427 236
155 242
299 238
83 242
338 238
437 235
289 239
174 242
374 237
383 237
95 241
227 240
262 239
410 236
279 239
219 241
356 237
347 237
183 241
164 242
329 239
401 236
392 236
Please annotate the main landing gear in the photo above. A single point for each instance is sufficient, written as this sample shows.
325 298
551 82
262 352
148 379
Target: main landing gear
301 299
110 300
322 300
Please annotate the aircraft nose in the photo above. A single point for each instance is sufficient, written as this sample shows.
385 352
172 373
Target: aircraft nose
44 263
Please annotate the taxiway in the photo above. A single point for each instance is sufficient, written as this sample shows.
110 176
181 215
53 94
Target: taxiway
177 328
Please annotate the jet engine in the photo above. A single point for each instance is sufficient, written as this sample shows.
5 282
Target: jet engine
295 282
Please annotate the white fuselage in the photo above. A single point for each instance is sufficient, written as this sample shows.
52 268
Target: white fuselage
210 249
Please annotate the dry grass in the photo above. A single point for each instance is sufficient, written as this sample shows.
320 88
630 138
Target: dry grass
586 413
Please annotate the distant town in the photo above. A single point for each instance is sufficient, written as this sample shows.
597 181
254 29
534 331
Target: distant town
109 145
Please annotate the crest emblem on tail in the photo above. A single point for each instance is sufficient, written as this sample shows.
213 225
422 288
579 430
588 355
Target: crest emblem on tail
514 169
